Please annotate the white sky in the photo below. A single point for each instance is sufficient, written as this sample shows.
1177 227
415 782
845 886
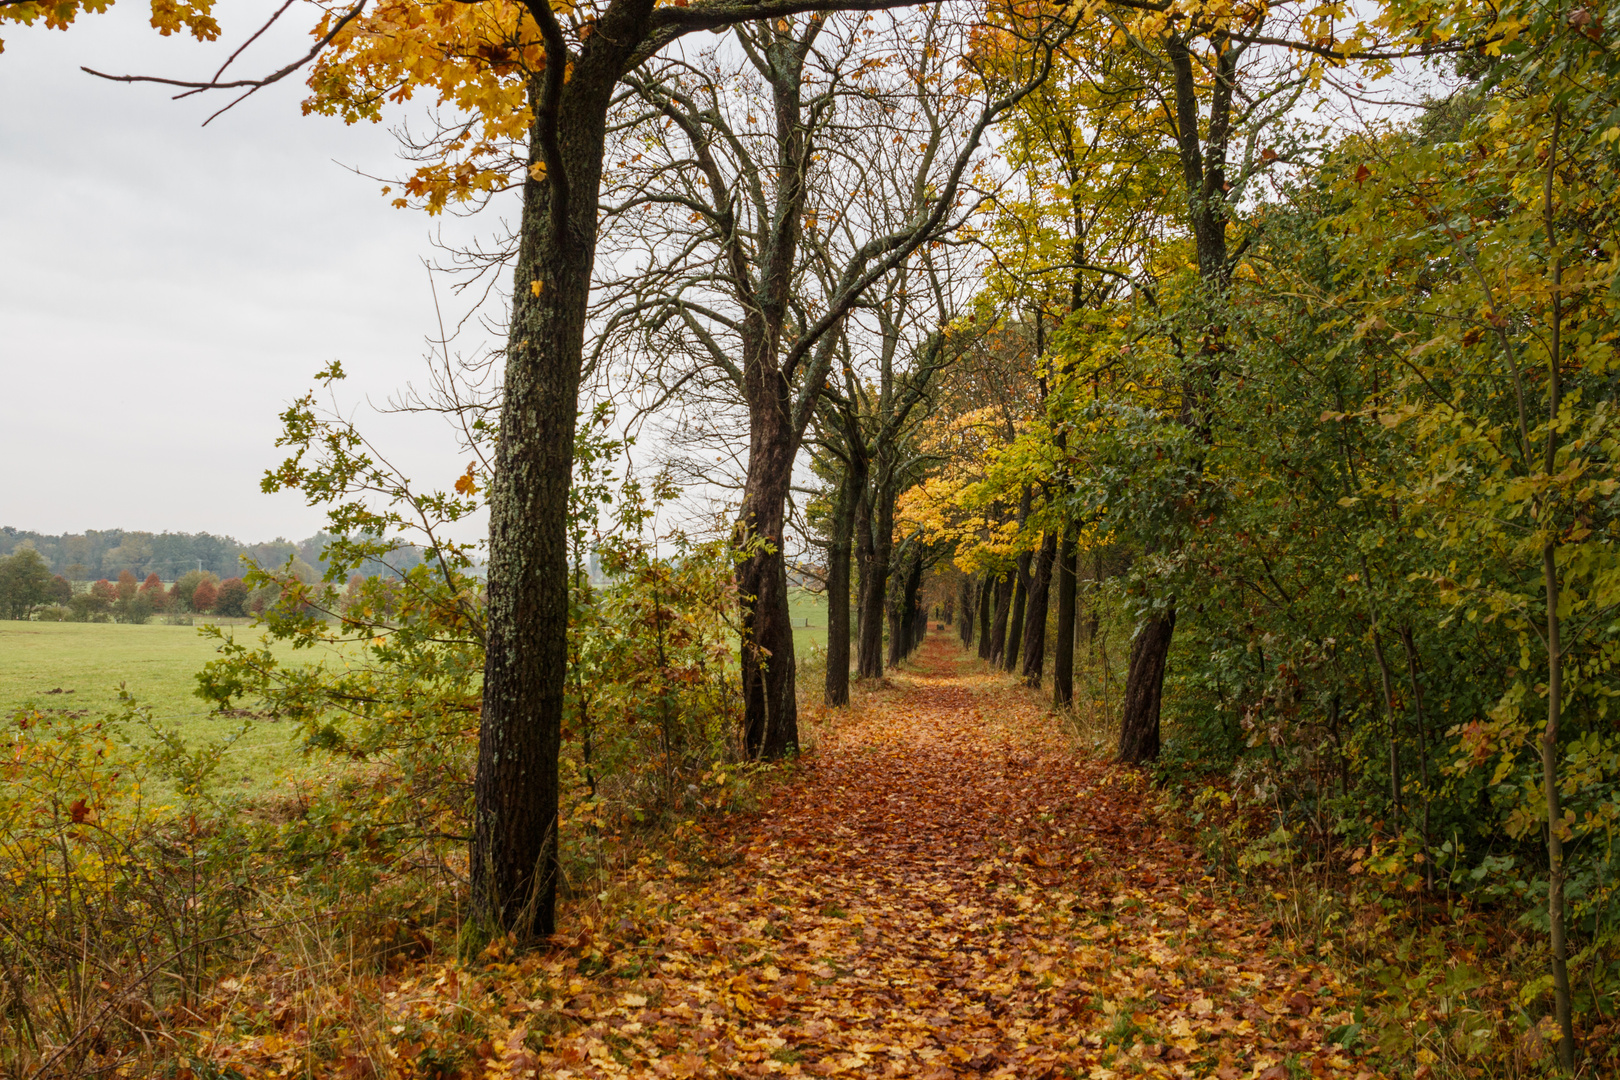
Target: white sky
165 288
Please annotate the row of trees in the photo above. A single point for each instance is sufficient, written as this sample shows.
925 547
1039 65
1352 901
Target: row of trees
195 591
1333 409
1325 416
29 589
760 194
107 553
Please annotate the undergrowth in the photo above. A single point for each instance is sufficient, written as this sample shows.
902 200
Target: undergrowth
1451 986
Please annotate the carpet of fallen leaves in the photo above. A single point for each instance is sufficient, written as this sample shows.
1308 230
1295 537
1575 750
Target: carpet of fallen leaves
945 889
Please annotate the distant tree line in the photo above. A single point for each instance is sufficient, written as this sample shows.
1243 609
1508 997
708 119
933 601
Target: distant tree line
127 577
107 553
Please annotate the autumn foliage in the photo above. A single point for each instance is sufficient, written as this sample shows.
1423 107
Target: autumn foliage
1296 444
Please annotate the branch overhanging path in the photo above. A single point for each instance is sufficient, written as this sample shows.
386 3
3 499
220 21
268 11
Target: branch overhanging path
946 890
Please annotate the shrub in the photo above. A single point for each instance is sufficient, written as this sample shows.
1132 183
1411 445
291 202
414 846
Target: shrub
232 598
154 592
89 607
133 610
123 911
53 613
186 587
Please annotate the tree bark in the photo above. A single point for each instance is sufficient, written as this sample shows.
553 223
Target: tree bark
998 628
1203 166
839 555
903 608
879 546
1040 591
770 710
1063 647
1144 684
966 615
1015 625
916 612
1555 813
987 594
513 853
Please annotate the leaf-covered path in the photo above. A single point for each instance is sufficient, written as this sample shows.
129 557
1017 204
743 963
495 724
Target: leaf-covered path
948 889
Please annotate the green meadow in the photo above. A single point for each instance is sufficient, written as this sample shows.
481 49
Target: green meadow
806 607
81 666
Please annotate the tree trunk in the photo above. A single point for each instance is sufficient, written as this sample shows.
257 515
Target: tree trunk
1555 812
1040 590
902 606
914 616
1015 625
987 596
1562 1005
513 853
917 612
770 711
839 554
965 613
1063 655
1144 684
1421 725
998 629
874 585
1204 180
1394 742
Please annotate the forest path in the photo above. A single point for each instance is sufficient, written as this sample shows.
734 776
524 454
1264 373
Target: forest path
949 890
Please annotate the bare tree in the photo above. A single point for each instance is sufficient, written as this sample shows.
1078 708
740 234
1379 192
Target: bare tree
766 190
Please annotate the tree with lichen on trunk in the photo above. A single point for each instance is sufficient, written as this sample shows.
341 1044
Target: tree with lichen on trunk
541 82
535 84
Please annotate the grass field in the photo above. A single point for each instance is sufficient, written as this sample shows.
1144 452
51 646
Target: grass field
79 666
804 607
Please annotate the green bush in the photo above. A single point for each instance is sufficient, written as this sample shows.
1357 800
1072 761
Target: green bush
134 610
89 607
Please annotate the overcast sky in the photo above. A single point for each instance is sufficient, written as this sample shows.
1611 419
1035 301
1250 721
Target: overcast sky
165 288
